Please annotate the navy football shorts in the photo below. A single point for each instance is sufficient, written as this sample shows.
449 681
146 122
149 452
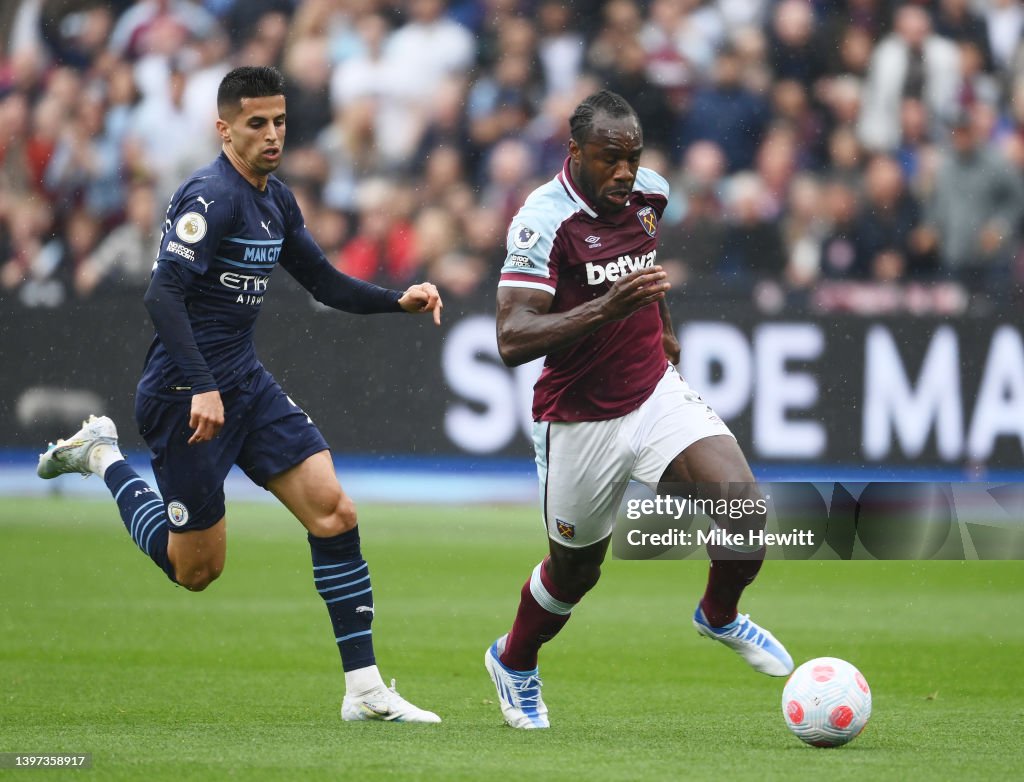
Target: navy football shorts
264 433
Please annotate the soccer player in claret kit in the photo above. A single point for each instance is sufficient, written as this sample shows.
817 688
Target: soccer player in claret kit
580 285
205 402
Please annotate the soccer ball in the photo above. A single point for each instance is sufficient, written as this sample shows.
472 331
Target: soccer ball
826 702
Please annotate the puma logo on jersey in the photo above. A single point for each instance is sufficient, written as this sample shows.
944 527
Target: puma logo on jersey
598 273
266 227
206 204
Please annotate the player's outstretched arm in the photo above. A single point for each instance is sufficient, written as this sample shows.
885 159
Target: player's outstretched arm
422 297
527 329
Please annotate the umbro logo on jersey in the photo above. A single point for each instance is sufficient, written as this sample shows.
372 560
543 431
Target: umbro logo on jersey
648 219
206 204
593 241
598 273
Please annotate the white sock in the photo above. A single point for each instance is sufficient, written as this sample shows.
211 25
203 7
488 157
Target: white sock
362 680
102 456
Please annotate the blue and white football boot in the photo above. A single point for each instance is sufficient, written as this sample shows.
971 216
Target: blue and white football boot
518 691
753 643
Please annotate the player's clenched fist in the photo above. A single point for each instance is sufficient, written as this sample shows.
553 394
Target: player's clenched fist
634 291
422 297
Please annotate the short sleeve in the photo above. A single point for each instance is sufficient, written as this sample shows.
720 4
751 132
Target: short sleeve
529 261
654 186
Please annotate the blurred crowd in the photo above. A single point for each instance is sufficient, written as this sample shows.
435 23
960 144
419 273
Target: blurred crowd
865 155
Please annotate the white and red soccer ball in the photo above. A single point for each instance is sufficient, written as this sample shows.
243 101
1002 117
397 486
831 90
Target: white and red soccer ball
826 702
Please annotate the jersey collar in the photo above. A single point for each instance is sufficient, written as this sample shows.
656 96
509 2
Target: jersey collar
565 178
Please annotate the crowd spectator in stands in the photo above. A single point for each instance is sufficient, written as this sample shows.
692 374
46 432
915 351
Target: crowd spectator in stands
307 71
1005 22
30 252
888 218
158 27
815 127
560 47
622 23
957 21
803 231
629 78
972 218
423 52
912 62
728 114
124 258
795 52
753 243
85 164
693 229
382 249
791 106
510 168
840 254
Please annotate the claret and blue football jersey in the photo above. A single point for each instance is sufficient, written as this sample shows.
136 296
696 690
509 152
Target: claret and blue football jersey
559 244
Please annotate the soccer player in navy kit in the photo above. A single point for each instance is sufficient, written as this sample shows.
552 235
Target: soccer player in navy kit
205 402
580 285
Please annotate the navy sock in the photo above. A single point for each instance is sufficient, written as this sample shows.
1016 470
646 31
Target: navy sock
342 578
142 511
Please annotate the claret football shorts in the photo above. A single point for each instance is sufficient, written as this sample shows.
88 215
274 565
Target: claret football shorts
264 433
584 466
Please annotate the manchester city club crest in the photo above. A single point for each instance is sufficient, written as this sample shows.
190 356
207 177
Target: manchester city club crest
565 528
177 513
648 219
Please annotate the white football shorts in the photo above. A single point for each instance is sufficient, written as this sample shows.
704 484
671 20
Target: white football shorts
584 467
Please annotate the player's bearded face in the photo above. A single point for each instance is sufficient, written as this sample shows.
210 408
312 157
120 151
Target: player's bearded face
256 133
605 166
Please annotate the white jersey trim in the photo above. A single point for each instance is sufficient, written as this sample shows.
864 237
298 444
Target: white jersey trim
567 183
540 286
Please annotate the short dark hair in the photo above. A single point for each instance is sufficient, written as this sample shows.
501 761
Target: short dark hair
247 82
581 123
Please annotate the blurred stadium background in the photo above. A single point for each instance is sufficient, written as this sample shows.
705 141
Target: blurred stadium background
844 234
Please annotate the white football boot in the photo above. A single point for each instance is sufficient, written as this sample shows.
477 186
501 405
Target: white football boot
385 704
72 454
518 691
753 643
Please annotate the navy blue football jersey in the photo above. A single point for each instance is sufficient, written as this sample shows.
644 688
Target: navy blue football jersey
229 236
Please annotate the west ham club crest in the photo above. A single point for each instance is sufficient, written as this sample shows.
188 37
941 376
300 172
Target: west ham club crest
648 219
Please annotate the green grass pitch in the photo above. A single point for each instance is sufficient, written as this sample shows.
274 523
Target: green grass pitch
99 653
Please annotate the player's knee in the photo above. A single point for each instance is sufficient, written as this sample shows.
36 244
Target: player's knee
342 519
196 579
